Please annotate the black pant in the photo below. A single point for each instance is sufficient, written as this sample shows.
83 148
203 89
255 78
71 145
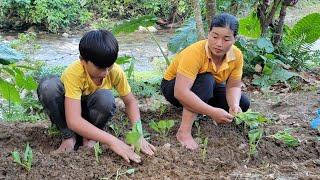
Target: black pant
206 89
97 108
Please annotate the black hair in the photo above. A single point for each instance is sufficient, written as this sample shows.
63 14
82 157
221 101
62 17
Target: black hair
100 47
226 20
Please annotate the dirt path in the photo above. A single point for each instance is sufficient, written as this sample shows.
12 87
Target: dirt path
226 155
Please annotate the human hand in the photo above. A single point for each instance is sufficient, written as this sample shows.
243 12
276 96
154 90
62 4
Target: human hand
125 151
234 110
146 147
221 116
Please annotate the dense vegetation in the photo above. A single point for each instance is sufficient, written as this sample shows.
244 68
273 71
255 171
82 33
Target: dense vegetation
270 58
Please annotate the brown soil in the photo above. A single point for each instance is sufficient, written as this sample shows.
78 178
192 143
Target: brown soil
227 153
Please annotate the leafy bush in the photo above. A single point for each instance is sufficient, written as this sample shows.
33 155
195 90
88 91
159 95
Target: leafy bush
54 14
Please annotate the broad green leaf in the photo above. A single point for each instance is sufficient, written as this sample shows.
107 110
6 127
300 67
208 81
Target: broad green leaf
266 70
286 137
265 44
28 156
133 24
154 126
170 124
308 27
250 26
9 92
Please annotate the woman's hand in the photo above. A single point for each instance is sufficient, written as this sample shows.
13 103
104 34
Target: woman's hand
221 116
234 110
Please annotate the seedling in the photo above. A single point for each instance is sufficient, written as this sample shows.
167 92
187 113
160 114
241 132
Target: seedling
197 124
251 119
119 173
204 147
286 137
53 131
27 158
134 136
163 126
254 137
97 151
116 129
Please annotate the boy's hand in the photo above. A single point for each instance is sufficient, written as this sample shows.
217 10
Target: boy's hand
125 151
221 116
146 147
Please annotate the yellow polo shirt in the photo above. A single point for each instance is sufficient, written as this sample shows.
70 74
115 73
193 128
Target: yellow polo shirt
196 59
77 82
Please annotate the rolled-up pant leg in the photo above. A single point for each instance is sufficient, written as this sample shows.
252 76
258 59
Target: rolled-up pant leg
96 108
203 87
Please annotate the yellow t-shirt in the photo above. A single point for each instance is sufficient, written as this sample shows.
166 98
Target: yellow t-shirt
196 59
77 82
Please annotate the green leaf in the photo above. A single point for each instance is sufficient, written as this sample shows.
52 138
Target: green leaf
250 26
154 126
308 27
266 70
28 157
9 92
133 24
123 59
130 171
16 157
286 137
265 44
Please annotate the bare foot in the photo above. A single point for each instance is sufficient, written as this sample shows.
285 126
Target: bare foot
88 143
187 140
67 145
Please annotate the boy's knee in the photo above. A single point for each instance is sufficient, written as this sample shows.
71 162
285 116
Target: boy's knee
49 87
104 101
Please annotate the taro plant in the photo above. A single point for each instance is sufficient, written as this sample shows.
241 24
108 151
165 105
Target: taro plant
97 151
134 136
253 120
26 162
162 127
287 138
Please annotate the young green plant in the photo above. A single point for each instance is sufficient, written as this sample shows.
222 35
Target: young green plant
97 151
134 136
287 138
253 120
204 147
162 127
26 162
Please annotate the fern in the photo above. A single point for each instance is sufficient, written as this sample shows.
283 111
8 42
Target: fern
308 26
184 36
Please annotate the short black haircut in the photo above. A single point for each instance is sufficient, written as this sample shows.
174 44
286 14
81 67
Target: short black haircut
100 47
226 20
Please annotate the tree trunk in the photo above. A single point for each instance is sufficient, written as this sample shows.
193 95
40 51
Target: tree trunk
211 10
277 36
266 15
234 7
197 13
